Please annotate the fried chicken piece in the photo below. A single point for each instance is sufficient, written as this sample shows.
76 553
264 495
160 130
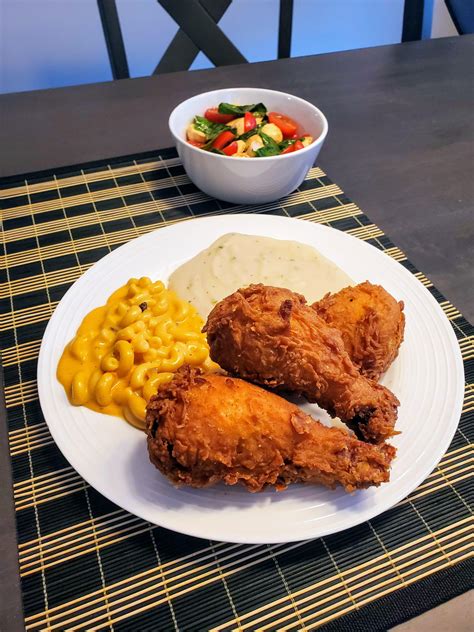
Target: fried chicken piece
270 336
206 428
371 323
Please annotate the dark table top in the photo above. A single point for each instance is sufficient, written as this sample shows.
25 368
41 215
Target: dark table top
399 144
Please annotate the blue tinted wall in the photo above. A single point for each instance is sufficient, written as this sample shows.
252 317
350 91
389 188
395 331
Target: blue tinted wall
52 43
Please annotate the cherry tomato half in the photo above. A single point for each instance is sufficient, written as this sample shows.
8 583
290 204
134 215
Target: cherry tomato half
249 121
288 149
195 143
286 124
223 139
213 114
231 149
298 145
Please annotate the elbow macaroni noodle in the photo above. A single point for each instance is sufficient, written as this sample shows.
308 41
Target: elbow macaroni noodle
125 349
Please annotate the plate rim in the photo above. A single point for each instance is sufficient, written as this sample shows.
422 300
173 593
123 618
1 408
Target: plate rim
430 462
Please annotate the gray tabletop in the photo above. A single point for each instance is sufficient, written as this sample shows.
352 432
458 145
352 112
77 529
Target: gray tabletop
400 145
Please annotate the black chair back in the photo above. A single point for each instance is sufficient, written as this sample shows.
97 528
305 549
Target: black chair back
462 14
198 31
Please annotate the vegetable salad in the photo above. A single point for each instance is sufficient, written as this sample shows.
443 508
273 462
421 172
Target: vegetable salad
246 131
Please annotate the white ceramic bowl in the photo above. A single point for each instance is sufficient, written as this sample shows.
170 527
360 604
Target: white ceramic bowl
241 180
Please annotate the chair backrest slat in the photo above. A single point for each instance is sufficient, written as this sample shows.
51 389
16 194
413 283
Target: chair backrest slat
182 51
412 20
285 27
113 38
199 26
462 15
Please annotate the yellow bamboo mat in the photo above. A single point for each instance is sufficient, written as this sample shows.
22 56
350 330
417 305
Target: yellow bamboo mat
86 564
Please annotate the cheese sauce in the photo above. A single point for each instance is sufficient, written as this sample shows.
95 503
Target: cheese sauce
236 260
123 350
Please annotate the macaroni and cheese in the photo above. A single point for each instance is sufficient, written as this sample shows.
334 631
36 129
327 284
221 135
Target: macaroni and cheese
123 350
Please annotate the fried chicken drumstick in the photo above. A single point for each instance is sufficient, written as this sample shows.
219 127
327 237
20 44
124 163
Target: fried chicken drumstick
203 429
270 336
371 323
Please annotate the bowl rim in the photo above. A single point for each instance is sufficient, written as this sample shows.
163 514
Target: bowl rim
316 142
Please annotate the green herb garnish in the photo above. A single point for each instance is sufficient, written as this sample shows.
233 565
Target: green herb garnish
239 110
210 129
255 130
270 147
286 143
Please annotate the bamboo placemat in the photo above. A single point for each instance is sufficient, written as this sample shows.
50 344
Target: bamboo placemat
86 564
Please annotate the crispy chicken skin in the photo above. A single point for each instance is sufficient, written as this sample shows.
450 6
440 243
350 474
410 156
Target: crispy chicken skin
371 323
270 336
203 429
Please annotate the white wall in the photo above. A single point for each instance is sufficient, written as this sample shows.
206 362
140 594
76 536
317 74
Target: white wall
331 25
51 43
442 25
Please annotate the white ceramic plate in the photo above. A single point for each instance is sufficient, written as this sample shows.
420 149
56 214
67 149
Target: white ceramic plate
427 377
